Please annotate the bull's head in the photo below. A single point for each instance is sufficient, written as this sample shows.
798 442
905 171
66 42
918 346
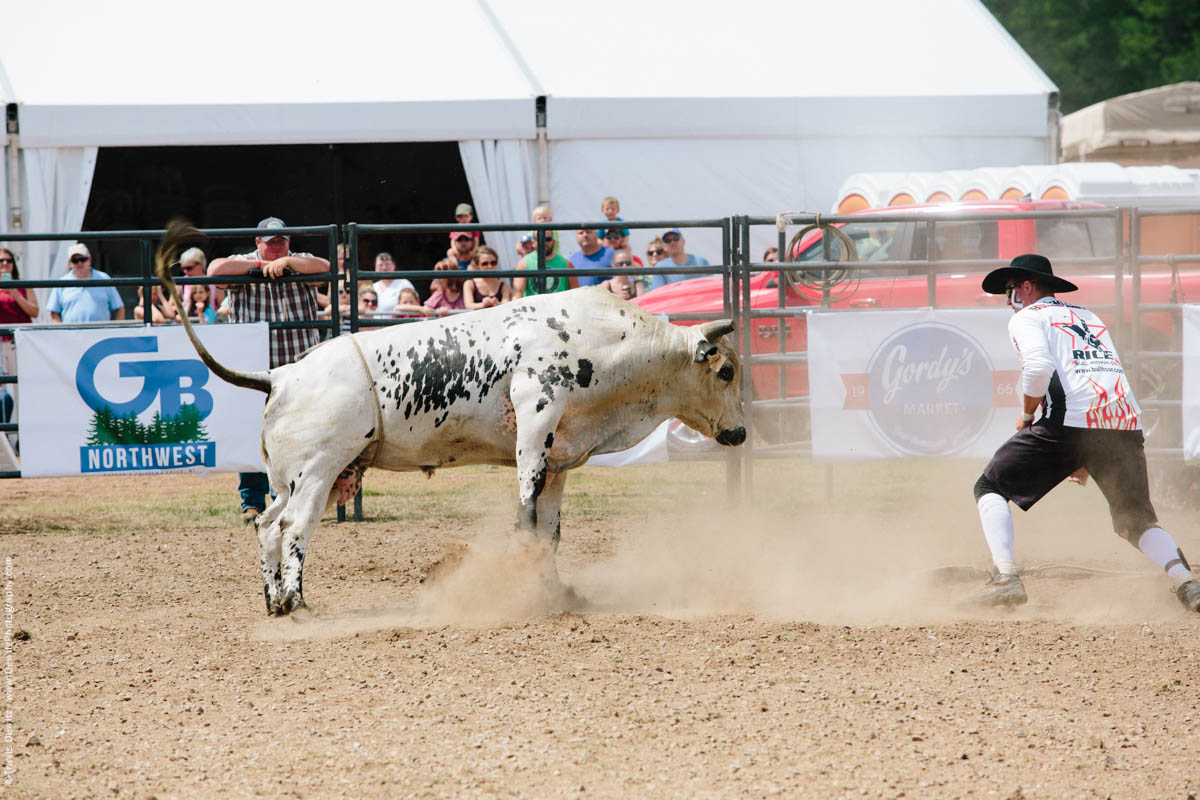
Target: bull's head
715 407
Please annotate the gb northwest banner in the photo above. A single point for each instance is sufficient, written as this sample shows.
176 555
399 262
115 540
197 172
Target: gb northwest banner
135 400
925 382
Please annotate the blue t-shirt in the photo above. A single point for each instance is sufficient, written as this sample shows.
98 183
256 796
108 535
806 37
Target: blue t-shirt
85 303
692 261
601 259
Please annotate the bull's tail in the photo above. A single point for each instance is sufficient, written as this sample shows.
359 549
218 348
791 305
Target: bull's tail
177 232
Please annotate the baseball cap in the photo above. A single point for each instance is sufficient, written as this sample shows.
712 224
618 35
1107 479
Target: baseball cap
669 231
78 249
270 224
455 234
529 237
618 232
463 208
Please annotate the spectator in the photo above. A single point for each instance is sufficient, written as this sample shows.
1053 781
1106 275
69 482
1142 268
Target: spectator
198 307
771 255
590 255
526 245
462 248
84 303
368 304
271 301
485 291
677 255
388 289
610 208
447 293
618 240
194 264
624 286
655 251
160 310
343 254
464 214
523 287
16 305
409 305
540 214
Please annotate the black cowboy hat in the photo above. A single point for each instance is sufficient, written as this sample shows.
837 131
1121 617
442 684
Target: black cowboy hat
1027 267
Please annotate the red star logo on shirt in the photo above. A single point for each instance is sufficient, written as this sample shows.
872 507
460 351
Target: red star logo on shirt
1076 327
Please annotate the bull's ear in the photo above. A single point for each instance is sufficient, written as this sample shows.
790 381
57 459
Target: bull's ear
704 350
717 329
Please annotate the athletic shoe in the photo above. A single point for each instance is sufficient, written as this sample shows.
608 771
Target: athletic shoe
250 516
1001 590
1189 594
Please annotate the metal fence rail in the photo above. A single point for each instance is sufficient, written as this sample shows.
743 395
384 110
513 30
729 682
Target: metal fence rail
767 310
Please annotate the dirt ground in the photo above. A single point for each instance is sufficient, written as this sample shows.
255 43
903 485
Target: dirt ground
808 646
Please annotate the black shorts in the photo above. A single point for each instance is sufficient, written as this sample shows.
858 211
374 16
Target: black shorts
1038 458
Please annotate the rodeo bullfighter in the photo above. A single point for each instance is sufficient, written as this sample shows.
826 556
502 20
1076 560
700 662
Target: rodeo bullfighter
540 384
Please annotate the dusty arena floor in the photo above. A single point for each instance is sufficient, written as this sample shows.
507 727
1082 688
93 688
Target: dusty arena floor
806 647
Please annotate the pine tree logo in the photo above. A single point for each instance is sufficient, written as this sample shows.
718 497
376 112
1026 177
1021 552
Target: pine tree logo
107 428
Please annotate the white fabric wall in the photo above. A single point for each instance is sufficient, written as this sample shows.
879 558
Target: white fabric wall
55 190
502 177
703 178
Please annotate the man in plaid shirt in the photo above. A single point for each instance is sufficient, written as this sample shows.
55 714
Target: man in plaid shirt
272 302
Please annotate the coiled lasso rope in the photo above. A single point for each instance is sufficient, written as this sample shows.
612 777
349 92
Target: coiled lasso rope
819 284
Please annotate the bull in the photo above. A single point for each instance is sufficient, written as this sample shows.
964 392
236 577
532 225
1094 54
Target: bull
540 384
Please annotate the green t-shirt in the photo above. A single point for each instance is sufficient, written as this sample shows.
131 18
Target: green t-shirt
556 261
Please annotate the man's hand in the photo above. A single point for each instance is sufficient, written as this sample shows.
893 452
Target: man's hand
1079 476
1023 423
276 268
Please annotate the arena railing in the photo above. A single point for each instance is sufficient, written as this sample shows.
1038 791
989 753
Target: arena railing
756 313
146 280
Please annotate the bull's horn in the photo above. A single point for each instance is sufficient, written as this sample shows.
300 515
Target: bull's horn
715 330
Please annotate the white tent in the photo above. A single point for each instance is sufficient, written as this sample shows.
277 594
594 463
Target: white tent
680 112
1155 126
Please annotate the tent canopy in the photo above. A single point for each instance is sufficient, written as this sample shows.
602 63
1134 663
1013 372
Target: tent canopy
682 112
141 73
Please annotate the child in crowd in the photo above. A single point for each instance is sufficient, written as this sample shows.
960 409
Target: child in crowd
198 306
447 293
485 291
368 305
409 305
616 238
464 214
540 214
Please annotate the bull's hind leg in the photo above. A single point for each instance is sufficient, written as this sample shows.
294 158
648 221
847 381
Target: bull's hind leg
537 417
309 497
270 552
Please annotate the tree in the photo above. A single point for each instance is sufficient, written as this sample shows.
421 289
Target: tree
1097 49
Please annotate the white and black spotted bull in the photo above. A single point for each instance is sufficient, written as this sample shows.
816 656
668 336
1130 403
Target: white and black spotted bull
541 384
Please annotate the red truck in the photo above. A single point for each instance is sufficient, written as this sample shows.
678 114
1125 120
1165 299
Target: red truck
976 235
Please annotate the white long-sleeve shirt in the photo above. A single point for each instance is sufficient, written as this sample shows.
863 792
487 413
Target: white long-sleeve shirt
1068 359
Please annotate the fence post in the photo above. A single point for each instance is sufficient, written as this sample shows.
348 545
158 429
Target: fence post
733 460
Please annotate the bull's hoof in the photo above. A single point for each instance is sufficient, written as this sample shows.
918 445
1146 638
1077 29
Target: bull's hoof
292 602
571 600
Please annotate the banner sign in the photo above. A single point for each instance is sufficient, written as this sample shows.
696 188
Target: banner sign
1191 377
136 400
925 382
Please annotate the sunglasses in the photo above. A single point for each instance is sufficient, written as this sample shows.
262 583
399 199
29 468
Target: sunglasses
658 251
370 302
463 238
1008 290
7 261
674 237
488 263
80 259
622 263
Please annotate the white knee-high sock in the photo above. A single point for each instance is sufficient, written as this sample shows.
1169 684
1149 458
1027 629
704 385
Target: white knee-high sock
998 530
1160 548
